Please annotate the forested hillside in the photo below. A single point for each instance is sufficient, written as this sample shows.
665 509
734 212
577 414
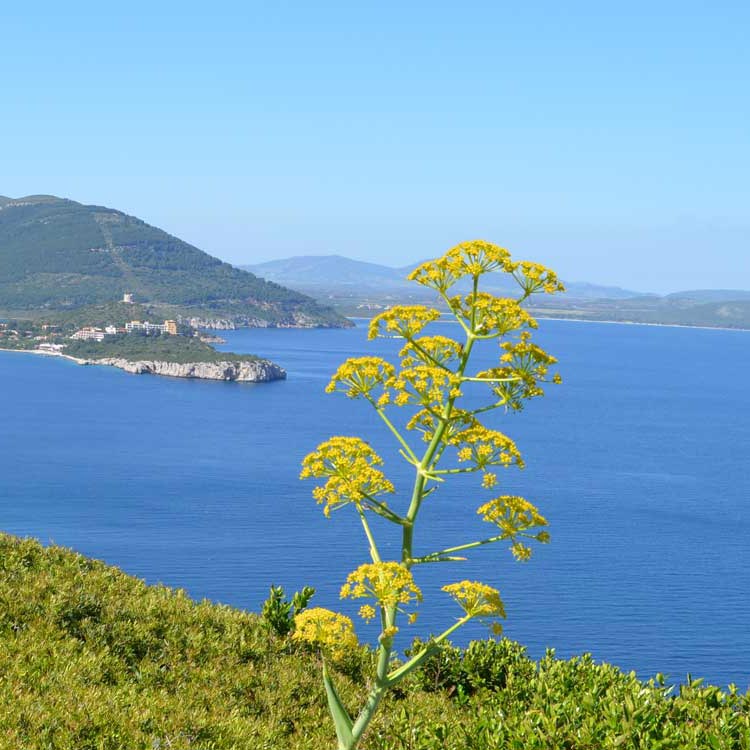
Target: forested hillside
56 254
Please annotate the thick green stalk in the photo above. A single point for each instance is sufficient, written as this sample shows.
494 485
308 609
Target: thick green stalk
425 465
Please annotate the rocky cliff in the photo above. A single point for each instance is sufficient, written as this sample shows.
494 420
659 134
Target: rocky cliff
248 371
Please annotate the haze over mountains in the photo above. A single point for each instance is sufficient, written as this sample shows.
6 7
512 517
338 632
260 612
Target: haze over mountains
357 287
56 254
332 271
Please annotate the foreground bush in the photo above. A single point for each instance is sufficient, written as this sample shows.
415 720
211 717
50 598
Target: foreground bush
92 659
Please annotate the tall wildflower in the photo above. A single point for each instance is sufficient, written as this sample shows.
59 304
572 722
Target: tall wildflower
429 382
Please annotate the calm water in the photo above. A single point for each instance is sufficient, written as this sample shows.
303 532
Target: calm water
640 462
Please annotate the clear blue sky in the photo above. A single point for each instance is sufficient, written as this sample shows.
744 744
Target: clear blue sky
608 140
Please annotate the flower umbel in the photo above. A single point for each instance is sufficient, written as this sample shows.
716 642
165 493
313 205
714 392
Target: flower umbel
330 631
477 600
402 321
524 365
534 277
491 316
390 584
482 447
349 463
467 259
359 376
515 517
430 350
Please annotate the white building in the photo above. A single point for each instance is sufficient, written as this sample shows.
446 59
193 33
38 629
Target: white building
146 327
89 334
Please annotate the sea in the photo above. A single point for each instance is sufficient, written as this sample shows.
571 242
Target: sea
639 460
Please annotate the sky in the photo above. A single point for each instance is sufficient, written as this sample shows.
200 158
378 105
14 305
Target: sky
610 141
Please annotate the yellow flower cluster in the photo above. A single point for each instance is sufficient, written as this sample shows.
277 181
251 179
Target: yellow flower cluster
525 366
428 385
476 599
425 422
485 447
491 316
359 376
430 350
515 517
349 463
388 634
534 277
467 259
330 631
390 584
402 321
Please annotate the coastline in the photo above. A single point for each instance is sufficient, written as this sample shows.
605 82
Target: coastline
640 323
447 318
244 371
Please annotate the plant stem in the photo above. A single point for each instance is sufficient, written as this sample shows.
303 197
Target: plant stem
415 661
373 547
435 556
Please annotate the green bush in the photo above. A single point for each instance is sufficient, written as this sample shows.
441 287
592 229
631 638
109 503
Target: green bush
93 659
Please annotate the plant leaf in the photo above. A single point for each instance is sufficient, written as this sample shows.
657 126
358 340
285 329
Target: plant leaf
341 719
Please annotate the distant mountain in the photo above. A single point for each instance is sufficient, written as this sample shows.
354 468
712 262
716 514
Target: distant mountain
328 270
336 273
712 295
359 288
56 254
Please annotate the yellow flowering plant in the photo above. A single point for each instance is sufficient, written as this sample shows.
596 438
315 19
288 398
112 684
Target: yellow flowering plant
430 380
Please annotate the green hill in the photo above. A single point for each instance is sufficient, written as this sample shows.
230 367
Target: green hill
56 254
92 659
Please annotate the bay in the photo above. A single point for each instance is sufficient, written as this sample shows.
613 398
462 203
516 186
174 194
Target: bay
639 461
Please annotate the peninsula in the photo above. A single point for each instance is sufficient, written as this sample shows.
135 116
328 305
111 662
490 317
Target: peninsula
172 348
98 286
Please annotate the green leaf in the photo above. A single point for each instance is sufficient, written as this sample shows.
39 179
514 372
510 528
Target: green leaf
341 719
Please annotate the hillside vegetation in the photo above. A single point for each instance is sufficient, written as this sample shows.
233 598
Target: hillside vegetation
93 659
56 254
164 348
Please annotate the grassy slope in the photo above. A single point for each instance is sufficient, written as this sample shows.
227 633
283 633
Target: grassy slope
94 659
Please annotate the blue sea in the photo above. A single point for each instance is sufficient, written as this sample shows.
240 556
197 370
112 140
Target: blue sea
639 461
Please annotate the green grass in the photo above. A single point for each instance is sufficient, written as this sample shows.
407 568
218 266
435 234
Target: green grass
93 659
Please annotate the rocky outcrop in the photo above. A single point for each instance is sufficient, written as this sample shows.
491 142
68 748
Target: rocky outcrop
246 371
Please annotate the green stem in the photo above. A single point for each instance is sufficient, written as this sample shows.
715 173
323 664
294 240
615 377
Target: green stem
425 465
366 526
435 556
392 428
488 380
496 405
398 674
380 686
383 510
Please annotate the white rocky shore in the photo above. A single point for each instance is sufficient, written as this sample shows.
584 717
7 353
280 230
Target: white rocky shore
242 370
246 371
